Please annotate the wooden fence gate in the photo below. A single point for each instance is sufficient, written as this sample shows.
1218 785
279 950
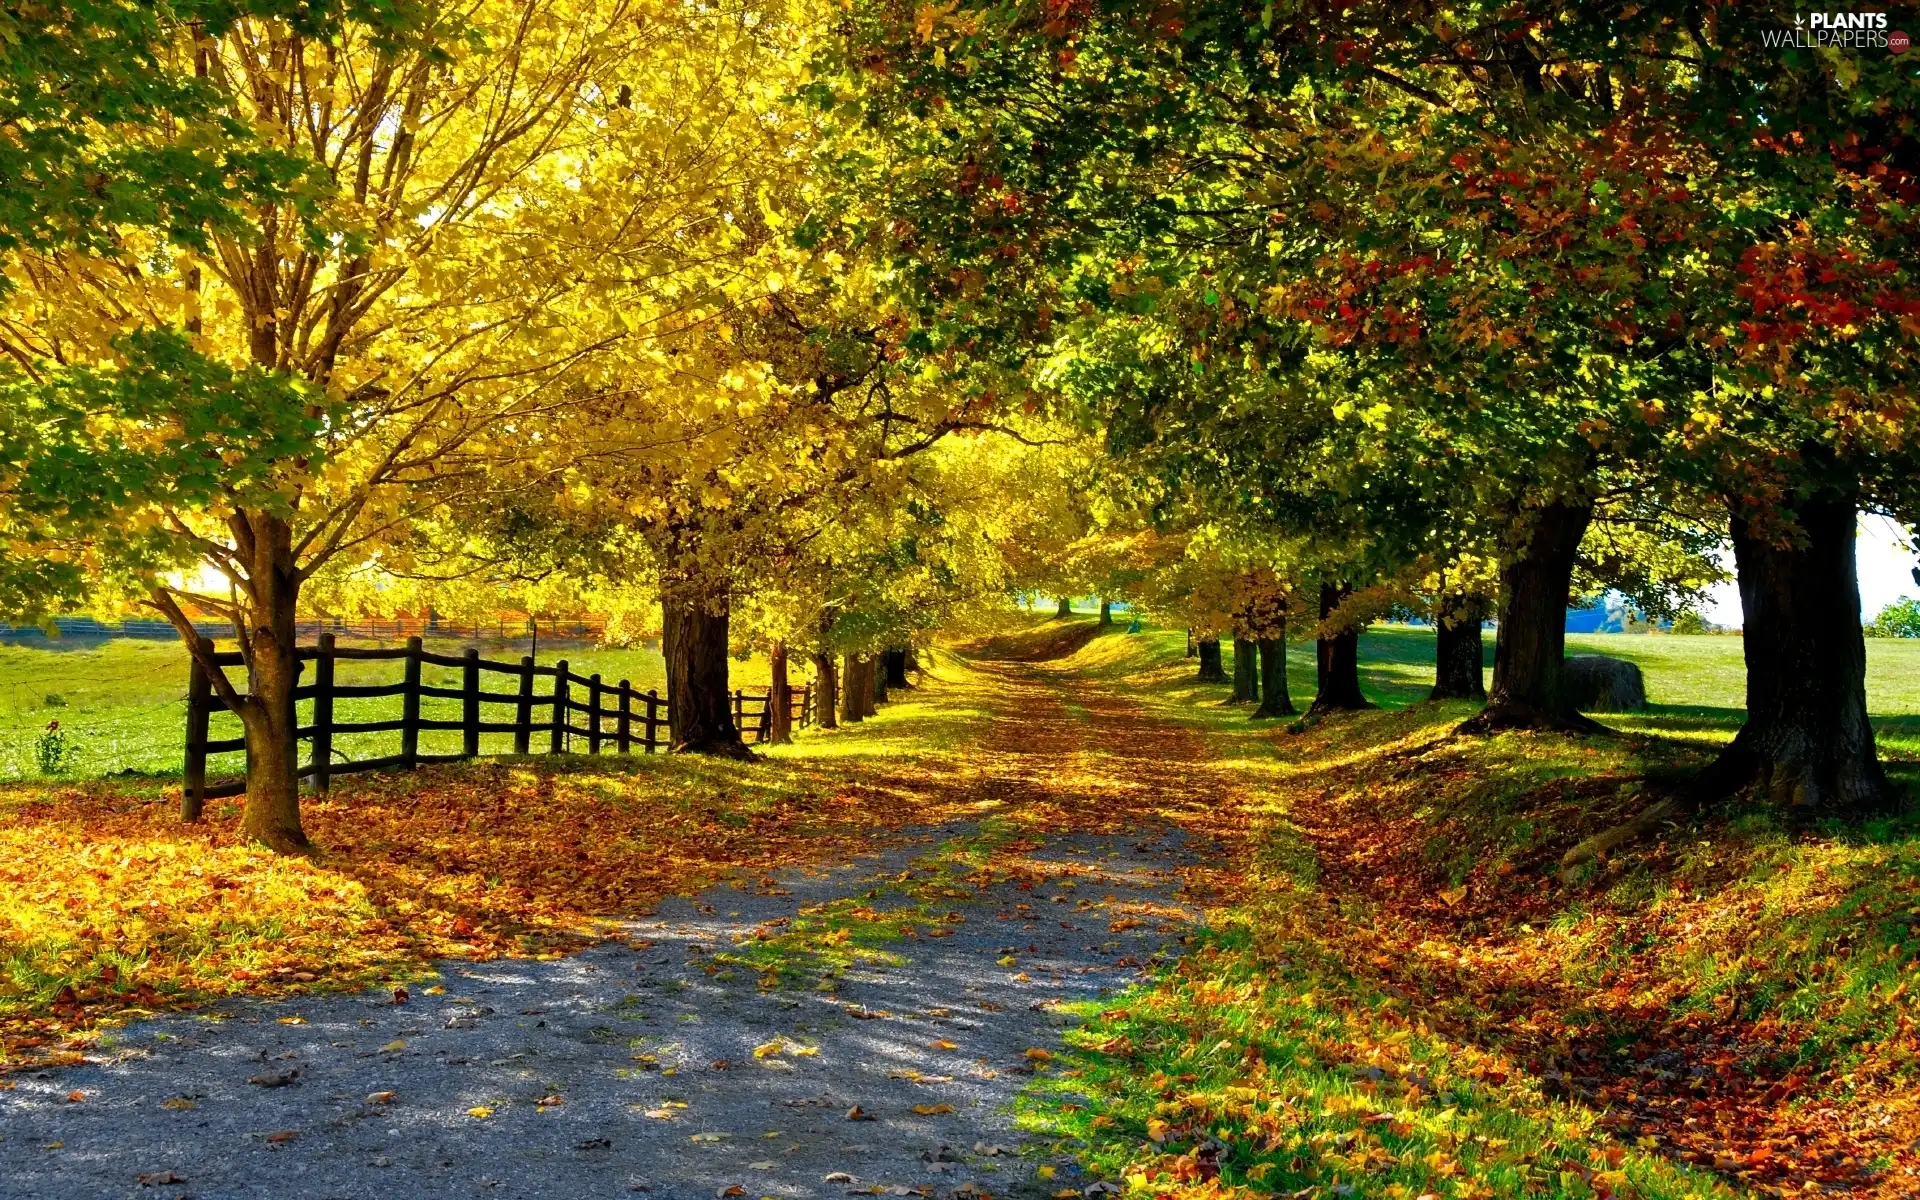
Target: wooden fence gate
617 717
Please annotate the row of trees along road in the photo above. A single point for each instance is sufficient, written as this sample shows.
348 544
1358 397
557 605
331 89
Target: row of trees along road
446 290
1295 315
1469 297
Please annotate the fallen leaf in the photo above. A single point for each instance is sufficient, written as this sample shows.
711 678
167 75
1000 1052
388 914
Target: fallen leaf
179 1103
1036 1054
158 1178
708 1137
1006 960
285 1135
76 1097
764 1164
735 1190
856 1113
293 1020
394 1046
480 1112
931 1110
836 1177
274 1079
436 990
942 1044
381 1097
551 1101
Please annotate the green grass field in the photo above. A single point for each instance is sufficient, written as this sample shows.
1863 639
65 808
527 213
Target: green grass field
122 702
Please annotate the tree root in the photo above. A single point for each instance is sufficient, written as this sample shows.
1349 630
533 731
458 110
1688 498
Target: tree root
1498 718
1608 840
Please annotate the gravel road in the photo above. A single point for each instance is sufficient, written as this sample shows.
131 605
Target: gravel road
627 1069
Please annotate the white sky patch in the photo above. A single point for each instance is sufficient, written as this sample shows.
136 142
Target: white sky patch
1885 552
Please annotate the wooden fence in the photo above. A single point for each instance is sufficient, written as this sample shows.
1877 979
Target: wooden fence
618 718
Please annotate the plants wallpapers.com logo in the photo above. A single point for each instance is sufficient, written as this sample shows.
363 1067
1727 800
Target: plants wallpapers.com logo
1837 30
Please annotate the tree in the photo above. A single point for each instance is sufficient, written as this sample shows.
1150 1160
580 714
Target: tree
361 332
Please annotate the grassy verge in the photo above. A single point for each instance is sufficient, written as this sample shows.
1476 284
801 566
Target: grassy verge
1403 997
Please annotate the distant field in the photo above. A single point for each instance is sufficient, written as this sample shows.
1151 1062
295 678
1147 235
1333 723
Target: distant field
1696 684
125 701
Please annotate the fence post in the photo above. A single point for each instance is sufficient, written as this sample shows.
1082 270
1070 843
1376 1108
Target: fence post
523 718
410 709
626 717
323 715
653 720
737 697
470 704
593 713
193 796
806 706
559 743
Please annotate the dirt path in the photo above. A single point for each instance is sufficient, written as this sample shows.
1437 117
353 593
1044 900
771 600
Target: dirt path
713 1050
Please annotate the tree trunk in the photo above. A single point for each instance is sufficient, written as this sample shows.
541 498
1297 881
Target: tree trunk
779 697
1336 659
826 682
874 680
1457 655
694 619
1246 667
897 669
910 661
1106 612
1065 610
1530 648
1807 741
1275 700
1211 670
855 692
271 814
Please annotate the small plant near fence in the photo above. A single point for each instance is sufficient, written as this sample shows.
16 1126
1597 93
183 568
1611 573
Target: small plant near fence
54 750
615 717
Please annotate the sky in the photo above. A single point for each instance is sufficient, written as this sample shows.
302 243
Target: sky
1886 556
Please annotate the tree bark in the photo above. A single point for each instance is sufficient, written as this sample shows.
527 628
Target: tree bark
874 685
826 680
1065 609
897 669
271 813
1458 655
1807 742
779 697
1246 668
1530 648
1336 659
1211 670
1275 700
1106 612
855 692
694 620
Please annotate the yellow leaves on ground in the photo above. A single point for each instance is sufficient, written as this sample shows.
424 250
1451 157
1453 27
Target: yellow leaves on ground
480 1112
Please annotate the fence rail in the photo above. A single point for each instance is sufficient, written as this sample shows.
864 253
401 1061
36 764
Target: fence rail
615 716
